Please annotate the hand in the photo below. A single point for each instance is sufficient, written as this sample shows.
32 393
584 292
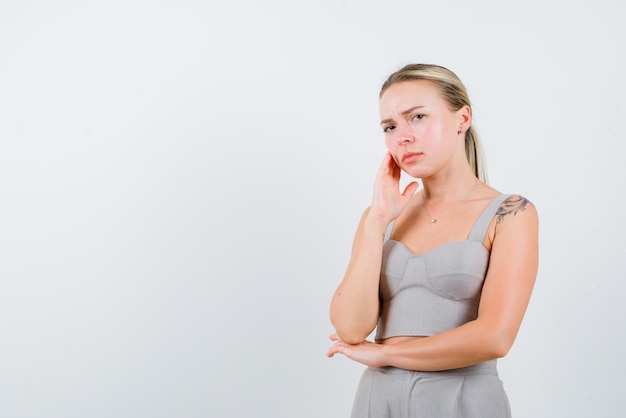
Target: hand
366 352
388 202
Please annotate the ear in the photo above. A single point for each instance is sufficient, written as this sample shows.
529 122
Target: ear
465 118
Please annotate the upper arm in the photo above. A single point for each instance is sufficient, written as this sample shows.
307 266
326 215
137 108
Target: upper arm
512 269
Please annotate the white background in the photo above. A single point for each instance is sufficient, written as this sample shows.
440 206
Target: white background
180 182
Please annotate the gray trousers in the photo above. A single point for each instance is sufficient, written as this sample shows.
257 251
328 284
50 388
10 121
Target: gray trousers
470 392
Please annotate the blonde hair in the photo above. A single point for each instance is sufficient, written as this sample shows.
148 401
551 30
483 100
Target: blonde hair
455 94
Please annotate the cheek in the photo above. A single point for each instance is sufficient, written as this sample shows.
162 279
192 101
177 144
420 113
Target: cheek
390 143
438 133
433 130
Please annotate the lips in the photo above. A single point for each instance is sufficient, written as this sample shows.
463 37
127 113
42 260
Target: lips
411 157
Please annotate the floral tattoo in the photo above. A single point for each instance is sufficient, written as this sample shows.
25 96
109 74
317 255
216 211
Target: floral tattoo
512 205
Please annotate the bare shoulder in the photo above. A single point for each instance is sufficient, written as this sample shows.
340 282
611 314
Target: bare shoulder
516 206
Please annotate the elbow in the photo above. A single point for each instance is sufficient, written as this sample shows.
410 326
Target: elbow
500 350
495 338
352 334
500 345
351 338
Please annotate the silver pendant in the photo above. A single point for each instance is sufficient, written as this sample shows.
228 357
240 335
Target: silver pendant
433 220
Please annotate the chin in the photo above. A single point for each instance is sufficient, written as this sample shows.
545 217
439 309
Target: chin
417 174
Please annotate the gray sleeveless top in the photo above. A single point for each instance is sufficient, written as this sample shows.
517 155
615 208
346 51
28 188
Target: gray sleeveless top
425 294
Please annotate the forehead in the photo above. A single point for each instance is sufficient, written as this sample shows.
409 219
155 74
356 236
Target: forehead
406 94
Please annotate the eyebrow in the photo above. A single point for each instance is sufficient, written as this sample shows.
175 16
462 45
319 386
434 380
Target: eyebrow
403 113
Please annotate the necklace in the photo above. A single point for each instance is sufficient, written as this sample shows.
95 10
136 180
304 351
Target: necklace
433 219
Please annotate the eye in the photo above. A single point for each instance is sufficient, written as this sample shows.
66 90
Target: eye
388 128
417 117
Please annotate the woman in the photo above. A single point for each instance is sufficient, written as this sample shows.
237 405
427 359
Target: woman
444 275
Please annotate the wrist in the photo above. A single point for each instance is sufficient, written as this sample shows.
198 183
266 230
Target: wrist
385 355
376 224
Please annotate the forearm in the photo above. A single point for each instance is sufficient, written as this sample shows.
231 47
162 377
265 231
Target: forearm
469 344
355 305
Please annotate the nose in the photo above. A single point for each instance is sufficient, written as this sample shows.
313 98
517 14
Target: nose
404 135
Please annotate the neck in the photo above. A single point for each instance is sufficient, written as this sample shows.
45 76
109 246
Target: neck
449 187
443 206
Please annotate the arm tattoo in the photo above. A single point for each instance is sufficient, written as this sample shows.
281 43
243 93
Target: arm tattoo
511 205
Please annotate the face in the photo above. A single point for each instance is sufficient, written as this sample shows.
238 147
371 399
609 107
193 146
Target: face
421 132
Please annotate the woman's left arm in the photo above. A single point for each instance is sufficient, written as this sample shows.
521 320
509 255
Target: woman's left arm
505 297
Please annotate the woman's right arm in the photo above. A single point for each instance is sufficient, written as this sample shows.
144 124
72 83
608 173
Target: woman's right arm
355 305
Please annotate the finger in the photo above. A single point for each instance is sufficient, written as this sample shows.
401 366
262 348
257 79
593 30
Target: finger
332 351
334 337
396 171
386 164
392 164
338 348
410 189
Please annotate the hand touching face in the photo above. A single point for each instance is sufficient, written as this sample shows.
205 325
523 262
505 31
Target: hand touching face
421 132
